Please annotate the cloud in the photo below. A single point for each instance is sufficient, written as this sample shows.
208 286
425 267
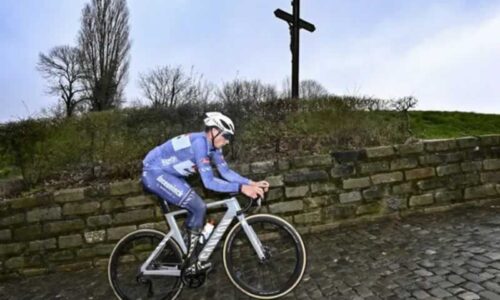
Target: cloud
455 67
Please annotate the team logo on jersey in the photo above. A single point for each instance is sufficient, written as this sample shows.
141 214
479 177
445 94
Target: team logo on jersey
169 161
172 188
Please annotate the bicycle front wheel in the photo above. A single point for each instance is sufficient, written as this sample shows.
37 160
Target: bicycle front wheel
284 263
124 267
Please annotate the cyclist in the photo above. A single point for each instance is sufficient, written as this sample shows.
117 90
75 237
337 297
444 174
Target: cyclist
166 166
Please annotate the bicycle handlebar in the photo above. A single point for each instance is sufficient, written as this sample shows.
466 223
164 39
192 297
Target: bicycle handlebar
257 200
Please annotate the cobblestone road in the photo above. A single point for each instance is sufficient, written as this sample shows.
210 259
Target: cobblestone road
453 255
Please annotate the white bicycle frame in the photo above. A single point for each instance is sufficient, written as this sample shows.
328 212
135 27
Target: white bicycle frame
233 210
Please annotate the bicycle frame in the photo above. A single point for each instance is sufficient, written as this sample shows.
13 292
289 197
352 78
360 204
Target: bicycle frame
233 207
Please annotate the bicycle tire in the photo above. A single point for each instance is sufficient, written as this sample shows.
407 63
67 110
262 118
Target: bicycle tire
170 255
242 265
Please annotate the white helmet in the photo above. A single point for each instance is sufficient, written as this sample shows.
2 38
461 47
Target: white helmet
216 119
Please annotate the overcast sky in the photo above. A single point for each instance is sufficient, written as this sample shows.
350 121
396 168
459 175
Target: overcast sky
444 53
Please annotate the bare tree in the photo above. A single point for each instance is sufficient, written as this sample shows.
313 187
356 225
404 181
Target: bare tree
403 105
311 89
61 69
104 52
308 89
246 91
171 86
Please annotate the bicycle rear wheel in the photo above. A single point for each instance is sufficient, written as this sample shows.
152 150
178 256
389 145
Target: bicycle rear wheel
127 258
281 270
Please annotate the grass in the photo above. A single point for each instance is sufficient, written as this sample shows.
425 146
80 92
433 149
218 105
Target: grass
439 124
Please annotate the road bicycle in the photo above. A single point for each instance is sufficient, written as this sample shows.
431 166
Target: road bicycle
263 255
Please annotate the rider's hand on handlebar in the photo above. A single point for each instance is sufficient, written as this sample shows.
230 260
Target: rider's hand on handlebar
252 191
262 184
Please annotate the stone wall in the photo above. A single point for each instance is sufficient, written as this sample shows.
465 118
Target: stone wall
77 228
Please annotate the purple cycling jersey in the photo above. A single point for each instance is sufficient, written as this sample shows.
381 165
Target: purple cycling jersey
188 154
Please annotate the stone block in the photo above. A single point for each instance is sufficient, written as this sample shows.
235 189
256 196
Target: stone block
452 157
394 203
463 180
275 181
305 176
490 139
420 173
375 192
287 206
69 195
356 183
12 219
490 177
42 245
448 196
125 187
403 163
15 262
429 184
342 171
381 151
349 156
26 202
5 235
403 188
421 200
430 160
12 248
274 194
365 209
243 169
81 208
374 167
440 145
316 202
26 233
322 188
491 164
99 221
117 233
308 218
467 142
134 216
43 214
471 166
139 201
410 148
296 192
387 177
339 212
111 205
350 197
448 169
92 237
283 165
311 160
481 191
29 272
63 226
70 241
262 167
99 190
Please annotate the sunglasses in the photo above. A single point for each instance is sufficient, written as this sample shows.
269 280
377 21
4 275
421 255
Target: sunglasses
228 136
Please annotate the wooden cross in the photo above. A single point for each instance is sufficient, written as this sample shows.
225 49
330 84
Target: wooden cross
295 23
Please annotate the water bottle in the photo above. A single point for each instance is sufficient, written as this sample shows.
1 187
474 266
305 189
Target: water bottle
207 230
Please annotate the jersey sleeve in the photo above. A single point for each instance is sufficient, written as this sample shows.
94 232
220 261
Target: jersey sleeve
225 171
200 149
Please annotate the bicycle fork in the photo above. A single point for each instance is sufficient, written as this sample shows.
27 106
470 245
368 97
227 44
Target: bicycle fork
254 239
